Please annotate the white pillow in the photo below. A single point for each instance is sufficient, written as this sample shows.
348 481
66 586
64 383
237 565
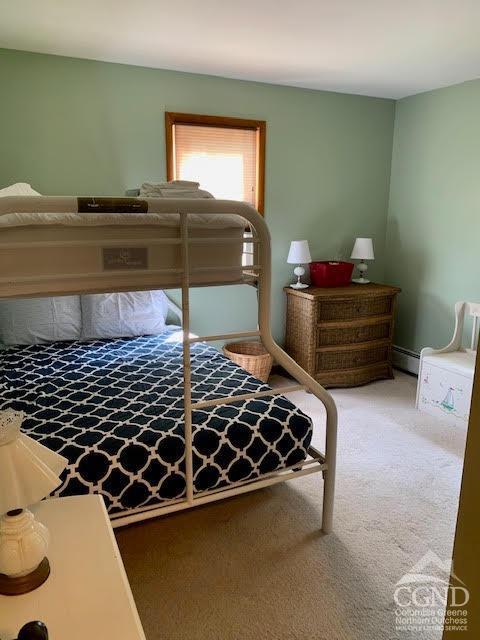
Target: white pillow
123 315
37 320
19 189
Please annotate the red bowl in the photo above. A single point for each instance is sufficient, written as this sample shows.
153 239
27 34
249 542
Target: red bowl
331 274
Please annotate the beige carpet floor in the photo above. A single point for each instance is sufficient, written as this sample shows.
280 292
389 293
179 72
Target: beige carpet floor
258 567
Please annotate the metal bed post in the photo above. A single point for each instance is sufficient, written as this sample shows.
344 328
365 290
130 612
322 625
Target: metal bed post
263 269
279 355
187 363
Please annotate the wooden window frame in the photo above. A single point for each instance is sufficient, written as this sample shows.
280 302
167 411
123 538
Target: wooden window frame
260 126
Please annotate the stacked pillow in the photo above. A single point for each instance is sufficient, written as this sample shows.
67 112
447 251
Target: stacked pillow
36 320
123 315
87 317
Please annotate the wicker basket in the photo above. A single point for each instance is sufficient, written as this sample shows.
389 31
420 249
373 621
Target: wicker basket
251 356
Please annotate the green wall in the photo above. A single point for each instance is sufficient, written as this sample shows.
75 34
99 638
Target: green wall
72 126
434 212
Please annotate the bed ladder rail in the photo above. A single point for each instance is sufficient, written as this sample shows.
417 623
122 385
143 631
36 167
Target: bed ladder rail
280 391
327 461
225 336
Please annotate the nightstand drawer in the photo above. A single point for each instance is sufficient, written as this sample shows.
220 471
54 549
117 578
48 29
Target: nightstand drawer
353 309
359 356
354 377
352 332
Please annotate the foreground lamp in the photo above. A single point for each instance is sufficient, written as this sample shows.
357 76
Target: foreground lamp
362 250
28 472
299 254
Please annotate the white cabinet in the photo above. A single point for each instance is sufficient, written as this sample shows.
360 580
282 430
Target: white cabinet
445 377
87 595
445 386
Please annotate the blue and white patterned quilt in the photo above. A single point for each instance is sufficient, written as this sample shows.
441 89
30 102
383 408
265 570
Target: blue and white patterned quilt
114 408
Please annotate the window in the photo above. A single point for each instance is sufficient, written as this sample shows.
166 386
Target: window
225 155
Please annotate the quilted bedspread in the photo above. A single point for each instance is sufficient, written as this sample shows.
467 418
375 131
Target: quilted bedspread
114 409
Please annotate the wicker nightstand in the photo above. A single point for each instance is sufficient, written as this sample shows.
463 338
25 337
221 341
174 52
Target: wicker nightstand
342 336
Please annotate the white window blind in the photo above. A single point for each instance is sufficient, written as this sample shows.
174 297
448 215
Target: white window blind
222 159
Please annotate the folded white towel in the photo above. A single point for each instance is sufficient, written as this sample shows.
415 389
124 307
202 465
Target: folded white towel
179 193
174 184
174 189
180 184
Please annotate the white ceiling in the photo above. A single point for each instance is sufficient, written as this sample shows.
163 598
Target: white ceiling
387 48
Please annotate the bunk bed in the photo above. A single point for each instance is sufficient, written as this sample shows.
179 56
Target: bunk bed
201 429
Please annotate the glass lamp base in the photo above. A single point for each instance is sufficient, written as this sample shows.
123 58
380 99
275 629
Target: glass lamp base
25 584
361 280
299 271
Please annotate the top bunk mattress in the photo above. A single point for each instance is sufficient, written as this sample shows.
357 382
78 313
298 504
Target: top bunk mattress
91 219
120 244
114 409
105 211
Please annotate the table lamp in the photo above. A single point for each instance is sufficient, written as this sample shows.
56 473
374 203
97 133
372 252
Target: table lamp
299 254
28 472
362 250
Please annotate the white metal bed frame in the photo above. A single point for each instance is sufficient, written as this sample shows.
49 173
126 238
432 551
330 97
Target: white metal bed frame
258 274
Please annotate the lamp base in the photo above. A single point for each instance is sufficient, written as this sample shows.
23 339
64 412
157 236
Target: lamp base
361 280
25 584
299 285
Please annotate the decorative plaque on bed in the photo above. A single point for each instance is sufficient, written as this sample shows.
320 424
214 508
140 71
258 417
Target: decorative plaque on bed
119 258
112 205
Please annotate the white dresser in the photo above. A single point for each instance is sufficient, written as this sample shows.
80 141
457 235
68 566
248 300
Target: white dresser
87 596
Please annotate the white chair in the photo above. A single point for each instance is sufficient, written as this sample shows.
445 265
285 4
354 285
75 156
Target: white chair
445 376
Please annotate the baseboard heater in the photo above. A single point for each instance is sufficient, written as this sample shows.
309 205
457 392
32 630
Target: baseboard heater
406 359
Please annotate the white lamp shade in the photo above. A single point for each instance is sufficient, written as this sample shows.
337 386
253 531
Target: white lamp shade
29 471
299 252
363 249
